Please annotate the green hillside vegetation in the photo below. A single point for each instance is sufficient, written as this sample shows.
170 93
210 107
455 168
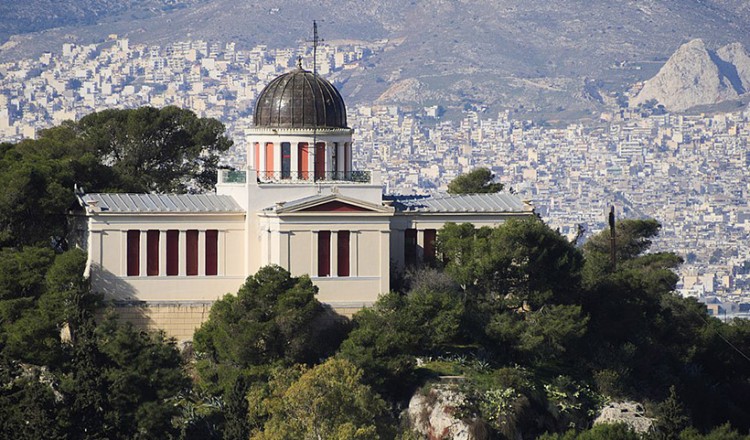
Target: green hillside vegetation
542 333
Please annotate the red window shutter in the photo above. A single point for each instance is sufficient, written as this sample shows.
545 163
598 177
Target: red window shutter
343 254
320 160
191 252
173 252
152 253
269 160
410 247
324 253
134 253
212 252
303 160
429 245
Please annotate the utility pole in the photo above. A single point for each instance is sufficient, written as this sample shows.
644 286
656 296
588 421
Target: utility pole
612 239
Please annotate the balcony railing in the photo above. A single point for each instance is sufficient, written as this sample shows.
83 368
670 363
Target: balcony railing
233 176
312 176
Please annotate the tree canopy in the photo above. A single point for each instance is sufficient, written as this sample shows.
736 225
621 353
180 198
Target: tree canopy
478 180
138 150
273 318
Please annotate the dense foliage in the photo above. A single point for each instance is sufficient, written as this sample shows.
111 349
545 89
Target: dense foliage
539 332
477 181
63 374
273 319
139 150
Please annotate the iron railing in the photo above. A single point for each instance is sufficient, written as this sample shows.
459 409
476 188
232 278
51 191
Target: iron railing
312 176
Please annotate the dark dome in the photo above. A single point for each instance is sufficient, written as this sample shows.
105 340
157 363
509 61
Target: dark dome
299 99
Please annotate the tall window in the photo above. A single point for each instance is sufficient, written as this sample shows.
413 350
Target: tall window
286 160
191 252
335 160
324 253
269 160
430 235
212 252
303 160
173 252
256 152
320 161
342 266
410 247
134 253
152 253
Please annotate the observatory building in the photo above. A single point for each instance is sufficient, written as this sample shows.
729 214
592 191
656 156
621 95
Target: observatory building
162 259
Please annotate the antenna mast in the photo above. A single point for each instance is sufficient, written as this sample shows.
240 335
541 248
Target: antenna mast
316 39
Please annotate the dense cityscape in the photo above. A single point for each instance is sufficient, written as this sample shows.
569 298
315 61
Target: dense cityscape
688 172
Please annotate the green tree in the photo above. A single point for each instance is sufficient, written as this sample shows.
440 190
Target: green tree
273 318
28 406
521 283
618 431
236 424
723 432
671 419
478 180
160 150
140 150
328 401
383 344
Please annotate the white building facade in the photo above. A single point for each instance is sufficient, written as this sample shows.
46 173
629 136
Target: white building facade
162 260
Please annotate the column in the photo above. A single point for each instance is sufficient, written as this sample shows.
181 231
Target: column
349 150
294 150
201 252
314 254
220 257
162 252
123 254
385 256
262 160
329 160
420 245
341 159
182 255
354 253
143 261
334 253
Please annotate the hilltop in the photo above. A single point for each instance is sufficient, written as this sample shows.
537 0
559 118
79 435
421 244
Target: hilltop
695 75
553 60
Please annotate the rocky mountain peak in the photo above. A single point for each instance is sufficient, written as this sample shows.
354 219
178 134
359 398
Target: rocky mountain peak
695 75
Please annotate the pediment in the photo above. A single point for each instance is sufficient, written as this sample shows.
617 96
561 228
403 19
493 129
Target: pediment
336 206
331 204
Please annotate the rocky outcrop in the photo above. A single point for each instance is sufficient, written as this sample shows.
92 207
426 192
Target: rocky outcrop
738 65
694 75
629 413
434 415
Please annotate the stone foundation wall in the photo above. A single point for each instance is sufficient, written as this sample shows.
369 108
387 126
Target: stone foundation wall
179 320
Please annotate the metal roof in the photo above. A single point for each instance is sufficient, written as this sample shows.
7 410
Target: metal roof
159 203
463 203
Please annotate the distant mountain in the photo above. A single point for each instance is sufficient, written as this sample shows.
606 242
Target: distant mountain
695 75
550 60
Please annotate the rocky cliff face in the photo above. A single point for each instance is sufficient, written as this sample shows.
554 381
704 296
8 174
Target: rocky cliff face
433 415
695 75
